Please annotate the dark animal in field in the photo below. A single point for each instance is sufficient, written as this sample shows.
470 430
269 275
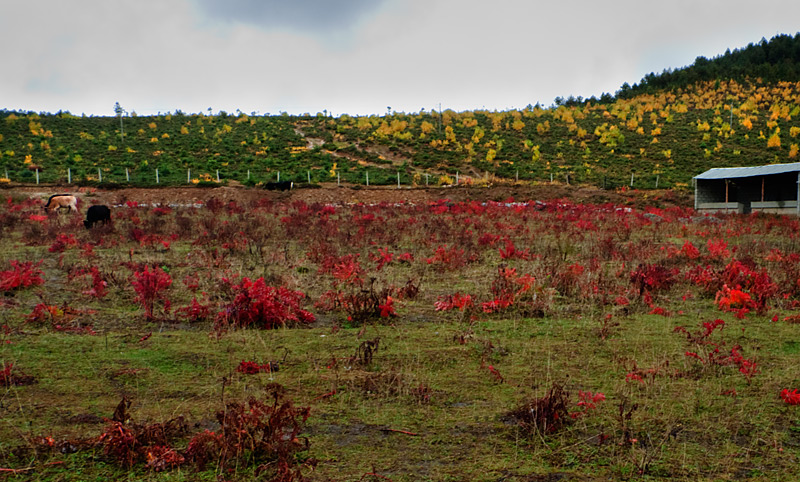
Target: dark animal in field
279 186
97 214
58 201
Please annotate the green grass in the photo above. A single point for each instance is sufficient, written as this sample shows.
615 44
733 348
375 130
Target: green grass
427 407
684 425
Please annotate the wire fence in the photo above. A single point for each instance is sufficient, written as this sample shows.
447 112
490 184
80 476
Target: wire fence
122 176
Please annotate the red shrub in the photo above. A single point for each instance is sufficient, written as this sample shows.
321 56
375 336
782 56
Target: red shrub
790 397
150 287
21 275
62 242
652 277
267 307
194 312
445 258
454 301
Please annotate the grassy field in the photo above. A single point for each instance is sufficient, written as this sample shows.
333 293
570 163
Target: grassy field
450 341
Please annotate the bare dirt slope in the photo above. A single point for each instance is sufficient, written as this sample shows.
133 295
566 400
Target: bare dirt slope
355 194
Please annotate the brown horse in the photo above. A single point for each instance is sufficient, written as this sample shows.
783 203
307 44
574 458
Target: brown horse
59 201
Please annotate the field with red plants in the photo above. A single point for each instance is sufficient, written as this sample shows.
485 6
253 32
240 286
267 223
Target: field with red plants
277 339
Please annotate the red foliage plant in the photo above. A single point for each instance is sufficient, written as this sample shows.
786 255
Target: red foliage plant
734 300
64 318
588 402
447 259
98 286
194 312
129 443
710 354
508 288
511 251
7 378
62 242
361 304
255 431
256 304
651 278
252 368
544 415
21 275
150 287
790 397
689 250
453 302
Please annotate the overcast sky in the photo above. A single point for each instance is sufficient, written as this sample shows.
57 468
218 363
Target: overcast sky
355 56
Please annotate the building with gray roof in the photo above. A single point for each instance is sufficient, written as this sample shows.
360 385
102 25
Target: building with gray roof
774 188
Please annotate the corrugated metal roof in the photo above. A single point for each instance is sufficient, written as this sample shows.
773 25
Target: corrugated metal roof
736 172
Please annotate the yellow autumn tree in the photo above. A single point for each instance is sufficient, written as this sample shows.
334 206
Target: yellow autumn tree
775 139
542 128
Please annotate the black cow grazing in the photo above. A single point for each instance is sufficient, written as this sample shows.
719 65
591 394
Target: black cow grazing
97 214
280 186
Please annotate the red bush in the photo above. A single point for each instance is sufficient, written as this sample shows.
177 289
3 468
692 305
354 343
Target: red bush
790 397
254 303
150 287
195 312
21 275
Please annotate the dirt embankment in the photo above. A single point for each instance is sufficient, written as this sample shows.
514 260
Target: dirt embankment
355 194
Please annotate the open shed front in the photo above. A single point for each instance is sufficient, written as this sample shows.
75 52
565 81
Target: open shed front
773 189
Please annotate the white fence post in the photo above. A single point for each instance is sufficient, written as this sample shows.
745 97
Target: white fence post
367 178
398 179
338 181
217 175
631 179
37 175
127 175
69 176
279 176
188 176
99 175
156 176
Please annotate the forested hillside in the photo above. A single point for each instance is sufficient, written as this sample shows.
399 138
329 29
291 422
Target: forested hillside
738 109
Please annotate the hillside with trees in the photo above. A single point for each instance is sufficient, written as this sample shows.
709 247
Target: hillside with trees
739 109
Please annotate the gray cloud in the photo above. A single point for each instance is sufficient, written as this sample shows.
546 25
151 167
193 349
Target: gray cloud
305 15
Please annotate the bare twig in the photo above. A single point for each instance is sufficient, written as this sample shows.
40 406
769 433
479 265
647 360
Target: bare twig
400 431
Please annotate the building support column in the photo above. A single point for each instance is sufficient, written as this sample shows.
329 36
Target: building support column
726 195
